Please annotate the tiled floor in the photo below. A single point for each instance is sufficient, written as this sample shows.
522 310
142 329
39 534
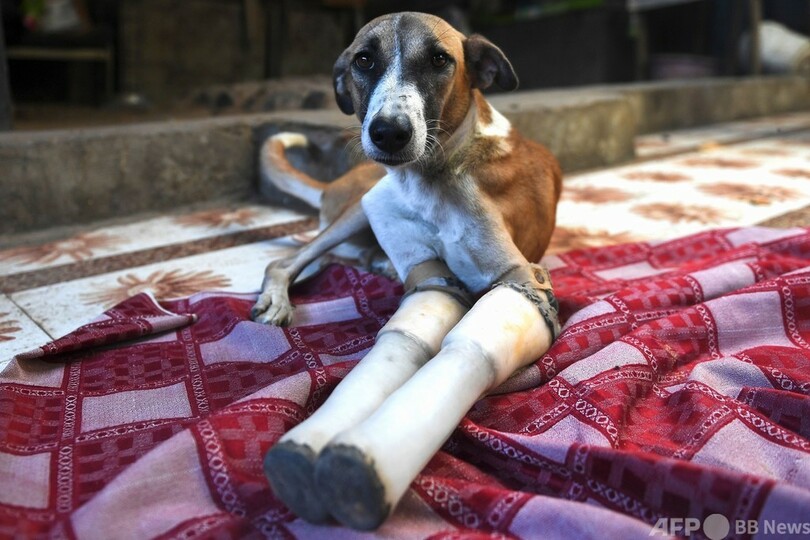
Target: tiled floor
143 235
18 332
719 186
49 289
57 308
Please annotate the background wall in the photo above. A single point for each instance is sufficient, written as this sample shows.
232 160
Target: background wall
168 50
169 47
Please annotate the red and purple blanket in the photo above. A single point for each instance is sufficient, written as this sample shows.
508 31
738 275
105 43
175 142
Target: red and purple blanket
675 400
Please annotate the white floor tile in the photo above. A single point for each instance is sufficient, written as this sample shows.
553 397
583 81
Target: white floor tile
62 307
18 333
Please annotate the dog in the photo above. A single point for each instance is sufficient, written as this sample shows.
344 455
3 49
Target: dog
462 207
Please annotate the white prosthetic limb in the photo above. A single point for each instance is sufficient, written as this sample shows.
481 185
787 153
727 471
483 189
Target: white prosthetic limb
409 339
365 470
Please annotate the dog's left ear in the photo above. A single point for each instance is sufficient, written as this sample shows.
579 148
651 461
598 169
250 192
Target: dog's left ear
487 64
340 73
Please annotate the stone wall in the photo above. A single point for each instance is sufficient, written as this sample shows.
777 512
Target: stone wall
312 40
169 48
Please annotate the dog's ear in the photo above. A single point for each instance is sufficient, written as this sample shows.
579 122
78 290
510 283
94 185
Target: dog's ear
487 64
340 75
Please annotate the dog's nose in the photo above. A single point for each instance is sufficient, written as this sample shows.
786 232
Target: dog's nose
391 134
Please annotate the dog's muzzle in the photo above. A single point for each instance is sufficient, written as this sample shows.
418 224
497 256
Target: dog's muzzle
391 134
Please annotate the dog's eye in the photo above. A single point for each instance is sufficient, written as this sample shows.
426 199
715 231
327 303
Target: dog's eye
439 60
364 61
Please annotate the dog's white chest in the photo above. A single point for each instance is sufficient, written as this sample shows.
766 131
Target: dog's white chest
413 226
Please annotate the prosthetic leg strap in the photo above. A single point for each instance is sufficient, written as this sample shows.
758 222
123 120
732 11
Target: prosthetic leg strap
434 275
534 283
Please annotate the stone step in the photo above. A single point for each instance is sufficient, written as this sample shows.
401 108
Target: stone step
66 178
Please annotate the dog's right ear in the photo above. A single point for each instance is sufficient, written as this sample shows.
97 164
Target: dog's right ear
340 80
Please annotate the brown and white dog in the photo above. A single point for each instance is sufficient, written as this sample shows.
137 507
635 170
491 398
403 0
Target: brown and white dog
462 206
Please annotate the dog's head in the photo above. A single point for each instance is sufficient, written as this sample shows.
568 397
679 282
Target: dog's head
409 78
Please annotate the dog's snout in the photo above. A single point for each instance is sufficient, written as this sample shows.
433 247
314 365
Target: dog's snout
391 134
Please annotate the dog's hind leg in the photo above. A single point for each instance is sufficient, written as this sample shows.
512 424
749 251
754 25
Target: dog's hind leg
273 305
409 339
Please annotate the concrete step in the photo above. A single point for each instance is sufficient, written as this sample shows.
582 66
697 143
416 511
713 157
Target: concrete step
65 178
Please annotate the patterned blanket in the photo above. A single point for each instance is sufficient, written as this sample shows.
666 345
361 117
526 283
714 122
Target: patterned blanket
675 402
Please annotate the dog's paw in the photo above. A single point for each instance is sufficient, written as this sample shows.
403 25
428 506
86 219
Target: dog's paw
274 309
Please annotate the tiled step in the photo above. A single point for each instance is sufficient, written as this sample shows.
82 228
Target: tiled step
51 288
657 145
96 250
18 332
57 308
48 288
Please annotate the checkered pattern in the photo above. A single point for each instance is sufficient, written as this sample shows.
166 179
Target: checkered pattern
678 388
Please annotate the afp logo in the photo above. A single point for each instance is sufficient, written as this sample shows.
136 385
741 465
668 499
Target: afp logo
714 527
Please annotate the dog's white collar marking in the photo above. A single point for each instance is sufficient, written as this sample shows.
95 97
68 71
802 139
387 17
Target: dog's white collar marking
499 127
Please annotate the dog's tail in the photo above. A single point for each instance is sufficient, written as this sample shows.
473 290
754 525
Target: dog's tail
277 171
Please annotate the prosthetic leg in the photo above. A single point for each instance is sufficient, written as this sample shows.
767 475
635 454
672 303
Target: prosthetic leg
356 456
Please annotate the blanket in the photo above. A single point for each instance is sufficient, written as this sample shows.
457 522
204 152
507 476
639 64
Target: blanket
675 402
